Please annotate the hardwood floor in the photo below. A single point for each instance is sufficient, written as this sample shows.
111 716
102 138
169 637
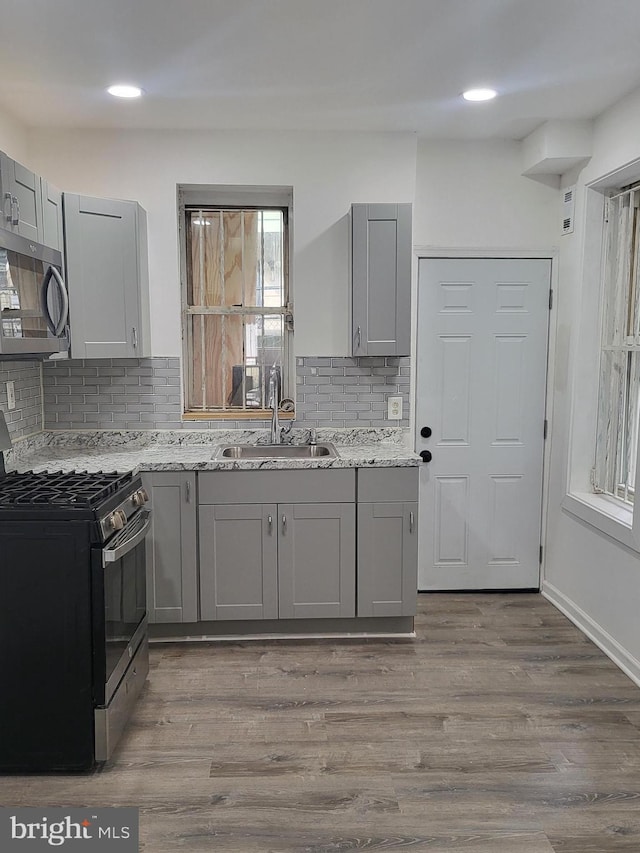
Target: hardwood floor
500 729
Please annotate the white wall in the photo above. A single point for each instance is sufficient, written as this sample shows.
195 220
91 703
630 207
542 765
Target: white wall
327 171
13 137
592 576
472 194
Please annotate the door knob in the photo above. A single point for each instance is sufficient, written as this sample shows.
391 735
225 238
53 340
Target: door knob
425 432
426 455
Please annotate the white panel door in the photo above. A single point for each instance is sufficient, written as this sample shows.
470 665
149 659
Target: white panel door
481 376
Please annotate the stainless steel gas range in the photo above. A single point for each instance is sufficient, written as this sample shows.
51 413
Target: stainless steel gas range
73 626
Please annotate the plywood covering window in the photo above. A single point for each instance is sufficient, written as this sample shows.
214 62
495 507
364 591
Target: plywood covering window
237 314
619 384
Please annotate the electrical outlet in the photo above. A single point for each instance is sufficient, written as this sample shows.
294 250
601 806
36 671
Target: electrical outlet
11 396
394 408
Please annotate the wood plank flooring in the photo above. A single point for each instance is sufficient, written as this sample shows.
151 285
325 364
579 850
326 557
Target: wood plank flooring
500 729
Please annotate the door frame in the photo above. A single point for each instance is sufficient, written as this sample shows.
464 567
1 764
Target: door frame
428 252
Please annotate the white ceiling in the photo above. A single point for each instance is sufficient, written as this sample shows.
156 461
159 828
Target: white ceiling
384 65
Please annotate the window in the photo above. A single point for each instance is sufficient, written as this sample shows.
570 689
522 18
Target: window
237 312
618 397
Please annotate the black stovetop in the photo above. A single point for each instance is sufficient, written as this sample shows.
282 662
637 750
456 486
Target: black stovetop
56 490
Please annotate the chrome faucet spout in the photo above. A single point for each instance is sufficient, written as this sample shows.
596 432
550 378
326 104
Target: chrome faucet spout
274 402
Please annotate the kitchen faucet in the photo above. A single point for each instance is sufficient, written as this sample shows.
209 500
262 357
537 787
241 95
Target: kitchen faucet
277 432
274 402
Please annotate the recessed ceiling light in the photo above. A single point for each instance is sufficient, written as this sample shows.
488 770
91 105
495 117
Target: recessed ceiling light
124 91
479 94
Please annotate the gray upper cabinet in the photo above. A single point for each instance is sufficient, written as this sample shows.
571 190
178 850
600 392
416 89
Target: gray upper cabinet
387 542
107 277
381 279
52 222
172 568
21 199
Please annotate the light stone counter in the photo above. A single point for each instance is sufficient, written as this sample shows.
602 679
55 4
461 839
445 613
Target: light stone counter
195 450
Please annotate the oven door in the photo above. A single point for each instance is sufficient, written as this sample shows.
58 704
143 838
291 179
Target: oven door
120 603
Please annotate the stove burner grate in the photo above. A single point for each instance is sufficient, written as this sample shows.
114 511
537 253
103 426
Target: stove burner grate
61 489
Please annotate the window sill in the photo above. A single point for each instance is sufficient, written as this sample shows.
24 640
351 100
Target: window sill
237 415
605 514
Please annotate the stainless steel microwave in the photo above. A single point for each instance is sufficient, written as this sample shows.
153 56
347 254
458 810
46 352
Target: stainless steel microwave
34 305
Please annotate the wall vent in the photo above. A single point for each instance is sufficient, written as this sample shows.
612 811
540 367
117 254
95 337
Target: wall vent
568 195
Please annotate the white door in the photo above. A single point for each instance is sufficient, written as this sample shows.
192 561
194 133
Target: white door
481 376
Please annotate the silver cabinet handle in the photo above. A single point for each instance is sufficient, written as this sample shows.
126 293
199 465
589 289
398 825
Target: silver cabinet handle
134 337
16 218
411 522
359 337
8 198
284 523
187 487
270 523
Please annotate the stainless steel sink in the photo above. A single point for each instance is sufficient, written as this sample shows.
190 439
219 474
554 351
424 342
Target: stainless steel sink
278 451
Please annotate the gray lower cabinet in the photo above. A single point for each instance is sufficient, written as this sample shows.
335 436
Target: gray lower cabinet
107 277
172 567
254 555
387 542
316 560
277 559
238 561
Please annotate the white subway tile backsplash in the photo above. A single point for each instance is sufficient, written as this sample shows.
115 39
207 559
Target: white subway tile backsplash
353 392
141 393
26 418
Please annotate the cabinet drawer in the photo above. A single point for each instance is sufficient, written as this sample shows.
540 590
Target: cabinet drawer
315 486
387 484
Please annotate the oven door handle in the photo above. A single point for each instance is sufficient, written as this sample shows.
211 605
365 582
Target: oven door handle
110 555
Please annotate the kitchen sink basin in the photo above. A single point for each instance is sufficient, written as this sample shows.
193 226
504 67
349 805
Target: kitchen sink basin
278 451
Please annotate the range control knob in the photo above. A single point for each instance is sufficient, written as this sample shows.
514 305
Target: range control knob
117 520
425 432
139 498
426 455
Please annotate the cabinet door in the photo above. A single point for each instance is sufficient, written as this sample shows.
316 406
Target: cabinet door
21 199
381 279
172 569
387 559
238 561
316 560
52 234
102 277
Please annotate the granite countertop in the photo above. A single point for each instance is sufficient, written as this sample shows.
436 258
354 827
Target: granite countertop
189 450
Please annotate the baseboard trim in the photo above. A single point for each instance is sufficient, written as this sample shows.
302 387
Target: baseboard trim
603 640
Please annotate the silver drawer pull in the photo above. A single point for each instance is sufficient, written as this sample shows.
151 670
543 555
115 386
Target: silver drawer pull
187 486
411 522
284 523
270 523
